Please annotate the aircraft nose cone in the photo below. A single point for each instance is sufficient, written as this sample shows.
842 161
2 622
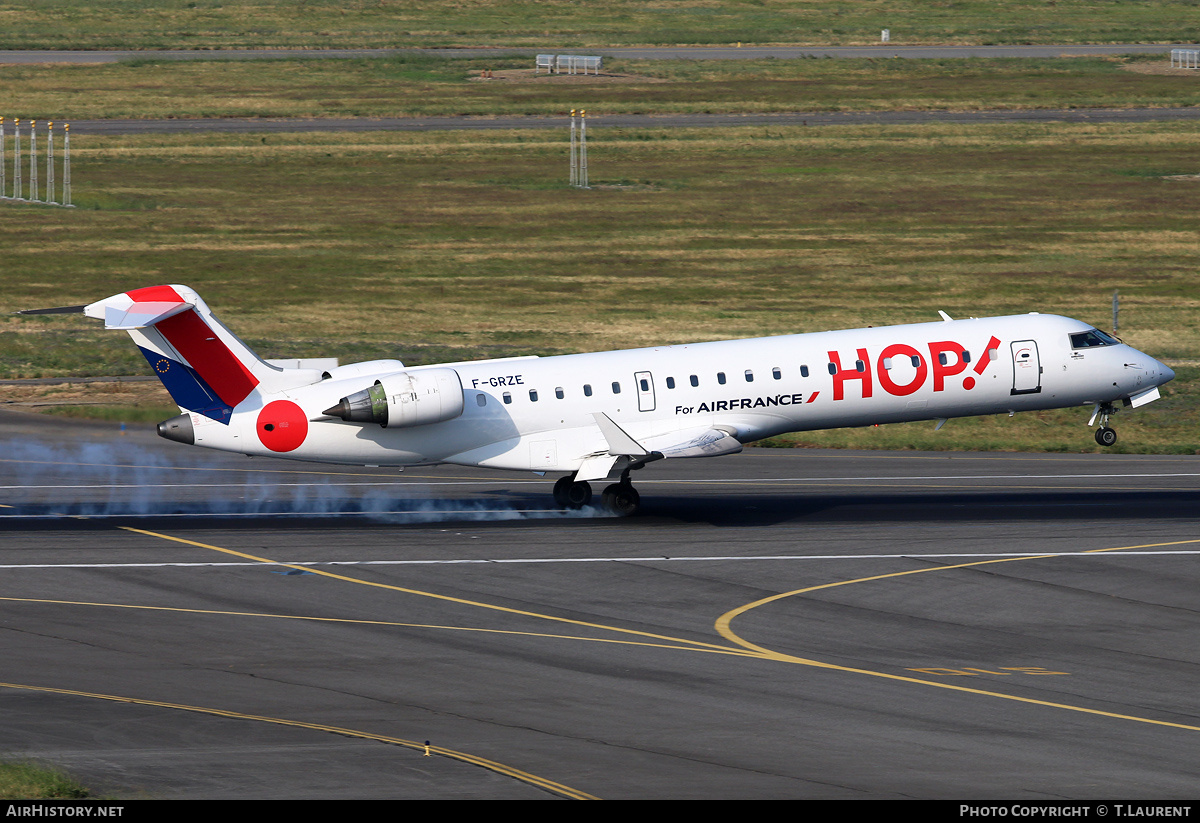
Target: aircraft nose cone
1166 371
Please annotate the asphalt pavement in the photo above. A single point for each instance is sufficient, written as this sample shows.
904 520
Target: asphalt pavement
779 623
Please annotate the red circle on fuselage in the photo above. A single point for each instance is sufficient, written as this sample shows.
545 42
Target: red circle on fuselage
282 426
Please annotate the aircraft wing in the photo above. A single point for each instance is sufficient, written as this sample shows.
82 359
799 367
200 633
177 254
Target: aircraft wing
695 441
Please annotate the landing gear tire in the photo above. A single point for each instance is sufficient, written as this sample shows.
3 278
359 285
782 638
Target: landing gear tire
622 499
570 494
1106 436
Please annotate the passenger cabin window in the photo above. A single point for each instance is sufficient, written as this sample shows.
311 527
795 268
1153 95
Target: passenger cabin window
694 380
558 392
644 383
670 382
533 395
481 399
860 366
1092 339
749 376
966 356
587 389
776 373
507 397
916 362
616 387
804 371
721 377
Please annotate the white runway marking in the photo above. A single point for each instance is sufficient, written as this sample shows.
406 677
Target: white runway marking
643 559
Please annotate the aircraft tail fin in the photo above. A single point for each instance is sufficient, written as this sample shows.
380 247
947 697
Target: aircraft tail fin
206 368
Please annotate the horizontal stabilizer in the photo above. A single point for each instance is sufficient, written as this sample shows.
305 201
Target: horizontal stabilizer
58 310
139 309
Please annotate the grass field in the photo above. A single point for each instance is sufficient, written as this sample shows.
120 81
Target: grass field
208 24
408 86
441 246
27 781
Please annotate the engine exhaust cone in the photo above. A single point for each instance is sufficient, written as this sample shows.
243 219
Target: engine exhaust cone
341 410
178 428
367 406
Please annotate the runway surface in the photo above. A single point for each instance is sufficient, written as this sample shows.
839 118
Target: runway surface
185 624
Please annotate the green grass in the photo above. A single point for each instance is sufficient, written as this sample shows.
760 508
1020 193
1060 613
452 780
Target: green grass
411 86
439 246
208 24
30 781
116 414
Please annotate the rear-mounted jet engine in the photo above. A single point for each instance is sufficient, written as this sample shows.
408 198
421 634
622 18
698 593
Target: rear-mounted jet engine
405 399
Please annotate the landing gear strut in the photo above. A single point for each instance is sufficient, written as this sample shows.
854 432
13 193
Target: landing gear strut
1105 435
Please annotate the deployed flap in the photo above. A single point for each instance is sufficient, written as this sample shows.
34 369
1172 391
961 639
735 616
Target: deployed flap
695 443
596 467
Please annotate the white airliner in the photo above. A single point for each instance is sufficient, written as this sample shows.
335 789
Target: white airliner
596 417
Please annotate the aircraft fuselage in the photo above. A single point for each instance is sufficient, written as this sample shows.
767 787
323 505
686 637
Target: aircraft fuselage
539 413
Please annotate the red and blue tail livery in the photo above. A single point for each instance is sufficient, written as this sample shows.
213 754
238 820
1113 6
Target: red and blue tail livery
180 341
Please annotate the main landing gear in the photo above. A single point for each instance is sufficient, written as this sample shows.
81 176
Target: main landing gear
569 494
1105 435
619 498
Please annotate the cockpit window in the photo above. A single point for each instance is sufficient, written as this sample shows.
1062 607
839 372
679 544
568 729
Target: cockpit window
1092 339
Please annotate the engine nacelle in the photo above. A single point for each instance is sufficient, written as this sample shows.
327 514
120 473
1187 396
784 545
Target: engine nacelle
415 398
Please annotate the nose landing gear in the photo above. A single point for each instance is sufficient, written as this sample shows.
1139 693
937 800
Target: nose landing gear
1105 435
